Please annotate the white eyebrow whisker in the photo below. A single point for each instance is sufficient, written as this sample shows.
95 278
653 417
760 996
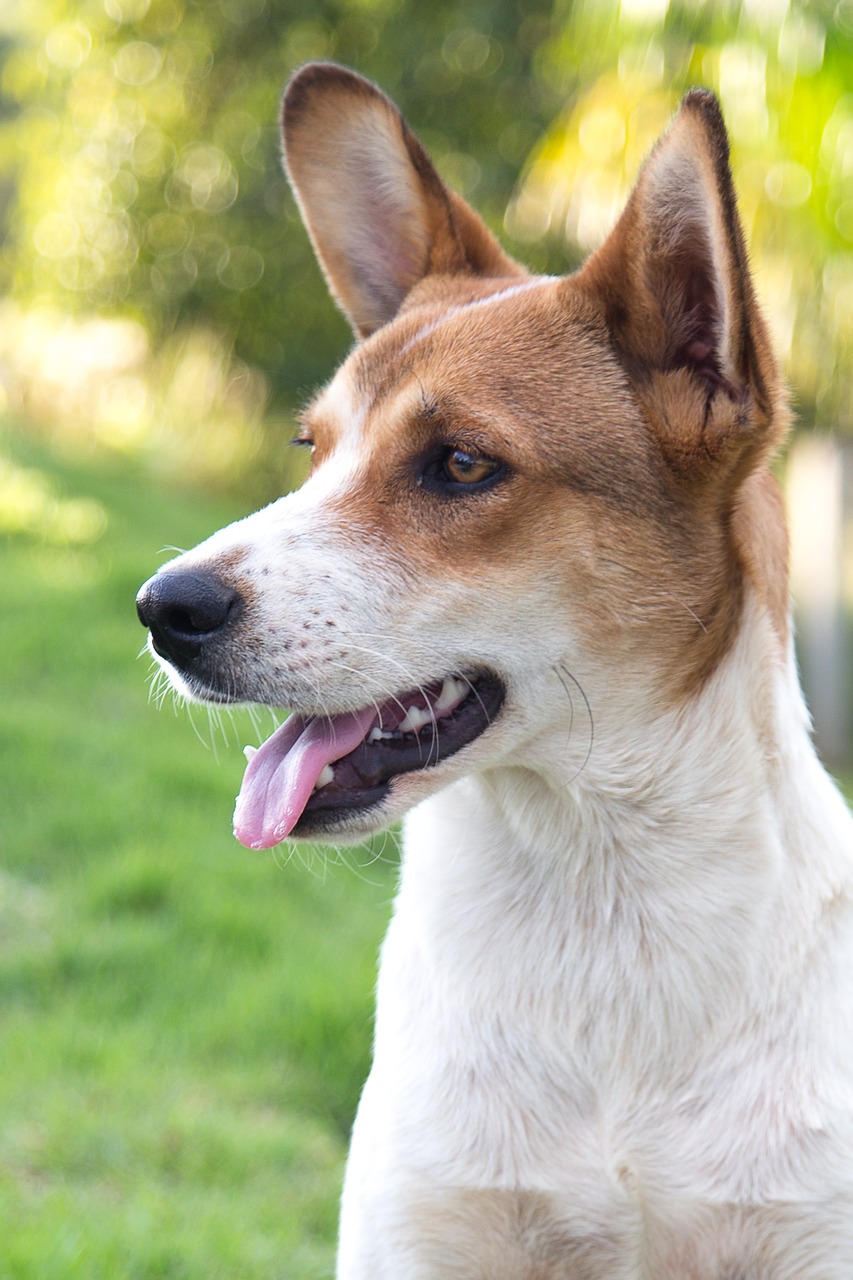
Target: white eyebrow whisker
473 305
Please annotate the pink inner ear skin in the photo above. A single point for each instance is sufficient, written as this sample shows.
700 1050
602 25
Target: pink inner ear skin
390 256
702 356
699 352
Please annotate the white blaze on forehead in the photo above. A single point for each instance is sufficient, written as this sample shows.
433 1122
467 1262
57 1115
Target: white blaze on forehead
511 292
345 406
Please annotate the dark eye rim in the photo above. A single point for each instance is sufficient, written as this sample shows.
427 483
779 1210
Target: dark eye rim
433 476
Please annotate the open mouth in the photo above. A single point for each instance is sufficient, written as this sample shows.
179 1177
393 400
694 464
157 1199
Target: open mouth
332 766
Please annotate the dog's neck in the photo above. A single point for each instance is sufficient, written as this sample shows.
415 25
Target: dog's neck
673 861
647 783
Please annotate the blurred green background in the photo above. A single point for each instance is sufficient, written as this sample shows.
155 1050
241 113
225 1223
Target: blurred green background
184 1026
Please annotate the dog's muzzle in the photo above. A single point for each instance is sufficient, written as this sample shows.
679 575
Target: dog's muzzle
185 612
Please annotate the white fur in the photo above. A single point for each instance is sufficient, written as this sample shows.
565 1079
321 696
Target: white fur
632 992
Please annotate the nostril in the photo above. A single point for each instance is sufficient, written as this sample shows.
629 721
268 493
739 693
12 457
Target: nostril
200 619
185 610
183 620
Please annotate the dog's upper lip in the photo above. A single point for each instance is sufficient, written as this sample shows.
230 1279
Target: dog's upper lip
409 731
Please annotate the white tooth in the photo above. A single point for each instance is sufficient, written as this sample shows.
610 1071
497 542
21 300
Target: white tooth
447 692
416 718
325 777
452 691
248 752
379 735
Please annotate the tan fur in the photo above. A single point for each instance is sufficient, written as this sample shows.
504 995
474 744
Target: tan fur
686 609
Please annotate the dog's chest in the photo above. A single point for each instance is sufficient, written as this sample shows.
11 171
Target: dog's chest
570 1083
535 1036
513 1054
465 1233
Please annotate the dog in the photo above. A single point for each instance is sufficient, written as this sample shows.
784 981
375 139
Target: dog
533 599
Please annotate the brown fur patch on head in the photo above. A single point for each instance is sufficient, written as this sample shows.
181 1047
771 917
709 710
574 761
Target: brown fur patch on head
589 506
675 292
632 407
760 533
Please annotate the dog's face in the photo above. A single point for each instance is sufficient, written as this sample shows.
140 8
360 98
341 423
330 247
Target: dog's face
527 494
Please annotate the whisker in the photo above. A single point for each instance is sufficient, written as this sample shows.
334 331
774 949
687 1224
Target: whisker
571 707
664 592
191 715
580 690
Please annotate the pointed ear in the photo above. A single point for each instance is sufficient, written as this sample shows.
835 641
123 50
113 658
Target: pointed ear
379 216
678 300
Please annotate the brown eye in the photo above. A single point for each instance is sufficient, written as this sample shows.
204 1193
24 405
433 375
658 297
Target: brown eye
452 472
468 468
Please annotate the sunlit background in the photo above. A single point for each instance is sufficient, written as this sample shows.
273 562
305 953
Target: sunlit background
161 316
158 290
158 296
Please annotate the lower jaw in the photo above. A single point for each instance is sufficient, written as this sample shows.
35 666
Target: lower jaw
329 809
345 816
350 815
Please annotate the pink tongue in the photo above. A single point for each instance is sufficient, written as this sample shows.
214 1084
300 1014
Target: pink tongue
284 771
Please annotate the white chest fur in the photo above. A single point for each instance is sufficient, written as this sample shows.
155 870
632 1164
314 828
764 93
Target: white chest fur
639 1012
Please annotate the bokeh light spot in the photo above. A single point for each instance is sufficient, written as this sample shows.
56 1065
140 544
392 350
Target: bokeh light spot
802 42
844 219
68 45
643 10
240 268
138 63
56 235
788 184
126 10
602 132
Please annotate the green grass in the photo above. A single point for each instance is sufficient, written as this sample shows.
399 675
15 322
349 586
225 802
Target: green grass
184 1025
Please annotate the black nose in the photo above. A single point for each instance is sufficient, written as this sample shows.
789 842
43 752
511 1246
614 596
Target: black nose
184 612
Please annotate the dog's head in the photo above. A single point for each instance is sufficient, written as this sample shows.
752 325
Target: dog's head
526 493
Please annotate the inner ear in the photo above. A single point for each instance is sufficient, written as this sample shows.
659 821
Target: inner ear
689 284
673 273
673 286
378 214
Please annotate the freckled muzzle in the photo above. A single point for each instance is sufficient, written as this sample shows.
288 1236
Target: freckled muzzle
316 772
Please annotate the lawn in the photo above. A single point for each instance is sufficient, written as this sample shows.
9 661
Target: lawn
184 1025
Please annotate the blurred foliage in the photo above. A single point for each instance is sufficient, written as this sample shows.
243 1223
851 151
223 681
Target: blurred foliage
161 294
784 75
141 155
